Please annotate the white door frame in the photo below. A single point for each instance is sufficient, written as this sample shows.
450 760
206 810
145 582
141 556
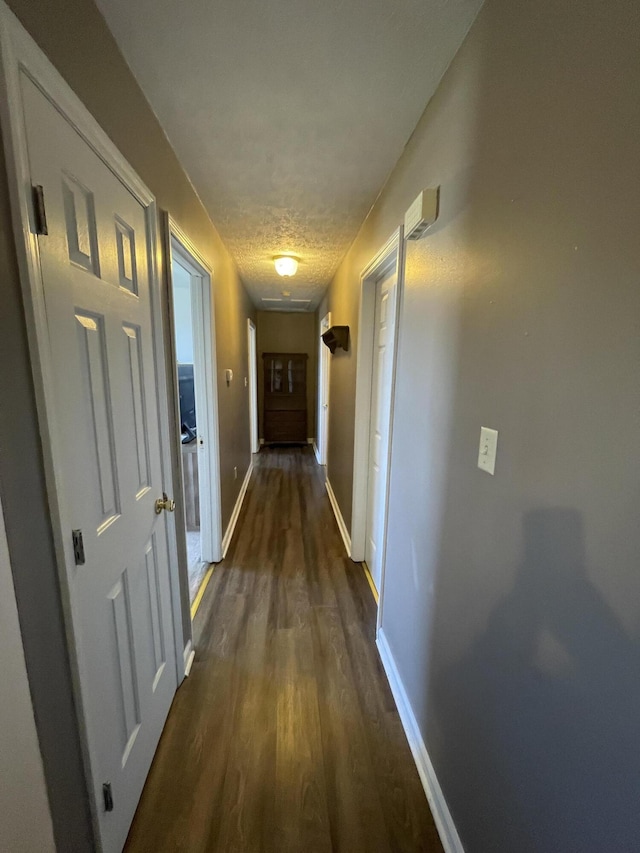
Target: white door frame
20 54
181 248
253 386
390 258
324 377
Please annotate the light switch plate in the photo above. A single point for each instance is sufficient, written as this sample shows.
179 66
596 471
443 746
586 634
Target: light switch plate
488 449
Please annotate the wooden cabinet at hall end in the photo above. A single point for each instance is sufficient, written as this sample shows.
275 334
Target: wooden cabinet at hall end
285 397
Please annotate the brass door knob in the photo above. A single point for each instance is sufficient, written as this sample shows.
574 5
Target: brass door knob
165 503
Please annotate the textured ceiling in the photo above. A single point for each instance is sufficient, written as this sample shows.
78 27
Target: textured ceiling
288 115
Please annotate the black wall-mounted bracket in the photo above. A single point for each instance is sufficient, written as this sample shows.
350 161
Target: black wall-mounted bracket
337 336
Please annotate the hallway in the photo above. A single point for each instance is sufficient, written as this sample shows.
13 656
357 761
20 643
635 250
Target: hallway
285 736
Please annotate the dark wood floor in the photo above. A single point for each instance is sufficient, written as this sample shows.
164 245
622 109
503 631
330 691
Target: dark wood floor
285 737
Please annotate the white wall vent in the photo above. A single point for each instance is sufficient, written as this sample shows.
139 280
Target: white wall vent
422 213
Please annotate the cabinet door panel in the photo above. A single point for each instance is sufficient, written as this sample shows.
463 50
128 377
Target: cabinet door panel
285 397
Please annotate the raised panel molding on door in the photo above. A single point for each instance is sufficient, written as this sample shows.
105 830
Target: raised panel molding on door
127 702
155 611
92 298
80 217
126 246
93 362
136 384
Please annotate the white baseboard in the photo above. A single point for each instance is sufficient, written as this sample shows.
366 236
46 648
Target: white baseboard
226 539
311 441
342 527
188 656
441 814
317 452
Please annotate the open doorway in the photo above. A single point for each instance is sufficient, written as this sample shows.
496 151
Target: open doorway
253 386
195 373
381 284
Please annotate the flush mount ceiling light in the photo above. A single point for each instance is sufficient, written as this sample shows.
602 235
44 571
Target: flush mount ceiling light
286 265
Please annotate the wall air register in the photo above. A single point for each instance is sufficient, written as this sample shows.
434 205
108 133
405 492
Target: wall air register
337 336
422 213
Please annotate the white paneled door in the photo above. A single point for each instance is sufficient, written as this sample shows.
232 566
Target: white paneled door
96 279
323 393
380 422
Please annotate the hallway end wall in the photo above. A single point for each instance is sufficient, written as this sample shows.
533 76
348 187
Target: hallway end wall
279 331
510 602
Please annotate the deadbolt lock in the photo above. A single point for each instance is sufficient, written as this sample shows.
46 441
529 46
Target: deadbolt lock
165 503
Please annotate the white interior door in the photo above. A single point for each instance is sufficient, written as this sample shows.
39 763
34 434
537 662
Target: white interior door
107 454
380 421
253 387
323 395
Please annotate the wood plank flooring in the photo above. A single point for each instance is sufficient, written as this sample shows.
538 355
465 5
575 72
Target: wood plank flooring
285 737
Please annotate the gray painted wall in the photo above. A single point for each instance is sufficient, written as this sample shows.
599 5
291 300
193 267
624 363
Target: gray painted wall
26 822
511 602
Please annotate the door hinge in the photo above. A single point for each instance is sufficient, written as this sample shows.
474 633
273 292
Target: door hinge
78 547
108 796
39 212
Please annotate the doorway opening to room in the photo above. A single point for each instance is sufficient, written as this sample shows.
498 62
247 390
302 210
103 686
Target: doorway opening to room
253 386
197 434
381 284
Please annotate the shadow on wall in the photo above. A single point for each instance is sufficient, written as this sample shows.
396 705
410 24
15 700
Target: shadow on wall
535 718
511 602
554 693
